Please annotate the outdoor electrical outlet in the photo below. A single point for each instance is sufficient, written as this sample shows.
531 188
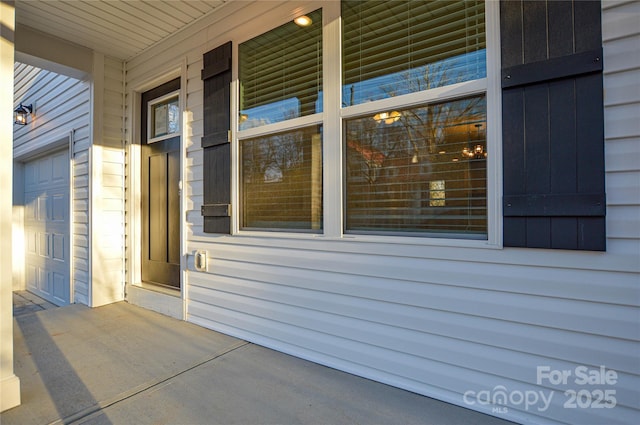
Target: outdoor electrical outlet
200 259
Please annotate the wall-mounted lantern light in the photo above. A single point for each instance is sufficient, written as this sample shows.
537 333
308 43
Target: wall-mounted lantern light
21 113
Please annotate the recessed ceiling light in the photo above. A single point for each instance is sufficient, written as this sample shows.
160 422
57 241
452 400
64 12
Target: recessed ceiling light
303 21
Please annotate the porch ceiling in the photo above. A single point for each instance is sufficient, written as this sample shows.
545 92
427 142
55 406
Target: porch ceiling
118 28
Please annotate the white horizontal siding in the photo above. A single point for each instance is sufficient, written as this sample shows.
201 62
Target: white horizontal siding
622 88
80 218
62 106
408 318
108 180
620 19
621 35
620 54
436 320
622 155
432 308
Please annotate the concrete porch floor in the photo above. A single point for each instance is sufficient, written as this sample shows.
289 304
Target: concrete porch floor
121 364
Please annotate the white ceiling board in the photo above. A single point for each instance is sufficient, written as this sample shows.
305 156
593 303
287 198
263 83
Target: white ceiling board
118 28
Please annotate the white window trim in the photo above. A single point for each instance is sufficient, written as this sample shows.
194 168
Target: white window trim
282 126
406 101
172 70
279 127
332 152
494 125
333 115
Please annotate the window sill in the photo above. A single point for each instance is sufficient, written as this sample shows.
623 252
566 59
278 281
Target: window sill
372 239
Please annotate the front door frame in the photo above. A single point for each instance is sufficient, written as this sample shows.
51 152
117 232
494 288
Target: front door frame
164 190
165 300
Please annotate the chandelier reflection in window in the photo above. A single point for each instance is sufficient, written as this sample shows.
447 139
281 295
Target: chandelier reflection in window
474 151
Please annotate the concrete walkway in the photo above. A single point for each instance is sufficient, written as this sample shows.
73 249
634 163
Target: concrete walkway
25 302
121 364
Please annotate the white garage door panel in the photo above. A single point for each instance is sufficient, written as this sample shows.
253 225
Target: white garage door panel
30 242
58 252
43 246
60 168
60 285
59 207
46 228
31 274
43 281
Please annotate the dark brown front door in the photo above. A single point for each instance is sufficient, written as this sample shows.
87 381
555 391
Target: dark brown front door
160 157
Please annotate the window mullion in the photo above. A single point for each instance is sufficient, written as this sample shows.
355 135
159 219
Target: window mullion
494 125
332 147
279 127
440 94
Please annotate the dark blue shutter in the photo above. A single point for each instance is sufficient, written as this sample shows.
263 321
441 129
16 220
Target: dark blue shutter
216 76
553 125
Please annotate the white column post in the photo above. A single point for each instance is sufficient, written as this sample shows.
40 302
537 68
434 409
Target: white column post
9 382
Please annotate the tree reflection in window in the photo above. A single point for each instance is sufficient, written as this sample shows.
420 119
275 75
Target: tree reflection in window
282 181
391 165
391 48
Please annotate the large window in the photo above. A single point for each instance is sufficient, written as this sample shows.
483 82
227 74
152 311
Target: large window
280 75
374 118
418 169
399 115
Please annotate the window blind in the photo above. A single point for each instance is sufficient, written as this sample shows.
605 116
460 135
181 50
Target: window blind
398 47
419 170
281 74
282 181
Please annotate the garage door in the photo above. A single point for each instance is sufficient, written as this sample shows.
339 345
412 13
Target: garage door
46 227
